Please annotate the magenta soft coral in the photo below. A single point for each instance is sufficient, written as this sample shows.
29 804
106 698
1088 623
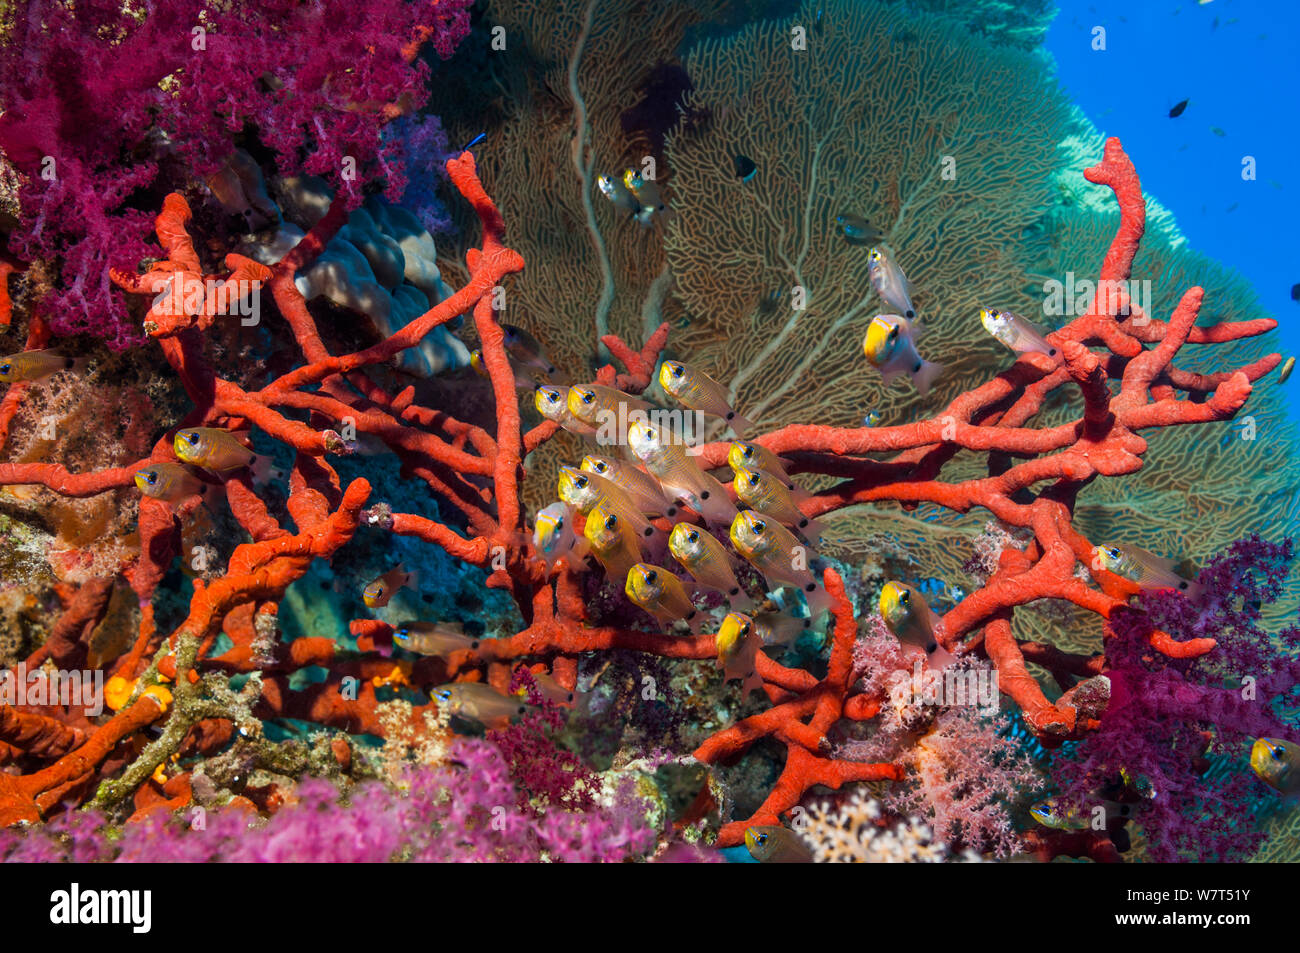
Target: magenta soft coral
104 104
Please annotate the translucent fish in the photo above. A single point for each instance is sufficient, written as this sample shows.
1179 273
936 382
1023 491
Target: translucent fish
909 617
613 542
700 554
738 643
662 594
553 403
551 690
1148 570
1017 333
857 230
526 378
33 365
1277 763
648 196
169 482
481 703
434 638
526 350
891 349
767 494
774 844
775 552
377 593
640 486
603 407
679 475
216 450
698 391
887 277
744 167
758 457
555 538
618 194
584 491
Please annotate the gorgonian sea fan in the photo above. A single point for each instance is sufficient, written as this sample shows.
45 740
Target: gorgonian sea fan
105 105
1167 716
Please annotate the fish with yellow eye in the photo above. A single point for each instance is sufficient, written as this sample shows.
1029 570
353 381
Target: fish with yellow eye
613 542
434 638
886 276
475 701
639 485
1017 333
553 403
526 351
872 419
549 689
583 491
1059 815
1148 570
700 554
525 378
909 617
603 407
679 475
767 494
647 195
891 348
758 457
217 450
661 594
774 844
33 365
169 482
1277 764
738 643
698 391
619 195
775 552
555 538
377 593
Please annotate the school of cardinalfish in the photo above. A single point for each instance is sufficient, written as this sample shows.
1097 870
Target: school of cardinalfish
654 475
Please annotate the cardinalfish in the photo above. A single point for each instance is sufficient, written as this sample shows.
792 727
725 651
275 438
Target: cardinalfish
553 403
552 691
872 419
217 450
599 406
33 365
555 538
767 494
639 485
857 230
700 554
662 594
169 482
434 638
679 475
891 349
584 491
377 593
774 844
1148 570
1277 764
647 195
612 541
738 644
698 391
1017 333
773 628
475 701
619 195
757 457
526 378
775 552
1059 815
891 284
909 617
526 350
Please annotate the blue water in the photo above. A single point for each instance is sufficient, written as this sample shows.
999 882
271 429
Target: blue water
1242 76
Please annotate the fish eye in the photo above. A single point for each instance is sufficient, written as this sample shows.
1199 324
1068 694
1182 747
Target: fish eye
588 397
611 522
761 839
693 536
192 437
905 598
152 477
744 629
1113 553
400 633
893 332
581 483
1278 752
753 479
759 526
652 577
6 368
678 371
559 524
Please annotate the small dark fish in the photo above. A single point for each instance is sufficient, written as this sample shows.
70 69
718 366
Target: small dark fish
1178 109
857 230
745 167
1217 131
1295 292
817 23
475 141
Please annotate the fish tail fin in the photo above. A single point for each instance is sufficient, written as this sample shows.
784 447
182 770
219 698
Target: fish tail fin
819 601
741 601
264 470
413 581
740 425
813 530
925 377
